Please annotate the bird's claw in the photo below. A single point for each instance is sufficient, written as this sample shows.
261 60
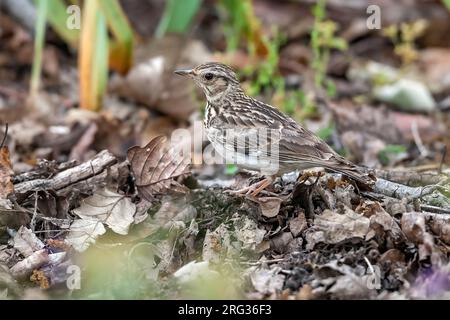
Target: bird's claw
253 189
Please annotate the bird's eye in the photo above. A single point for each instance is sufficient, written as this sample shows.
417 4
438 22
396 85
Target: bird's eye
209 76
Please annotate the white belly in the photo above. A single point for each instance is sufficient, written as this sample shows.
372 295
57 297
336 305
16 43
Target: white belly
253 158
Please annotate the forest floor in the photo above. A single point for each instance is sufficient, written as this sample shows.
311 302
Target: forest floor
85 215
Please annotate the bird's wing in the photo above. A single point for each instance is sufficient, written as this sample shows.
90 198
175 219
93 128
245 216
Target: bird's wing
249 125
252 125
301 145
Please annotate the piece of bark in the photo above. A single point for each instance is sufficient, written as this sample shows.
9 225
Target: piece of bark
71 176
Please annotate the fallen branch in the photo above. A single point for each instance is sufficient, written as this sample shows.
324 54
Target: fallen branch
434 209
71 176
431 195
412 177
400 191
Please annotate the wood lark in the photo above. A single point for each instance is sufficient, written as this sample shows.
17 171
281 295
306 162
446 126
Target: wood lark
257 136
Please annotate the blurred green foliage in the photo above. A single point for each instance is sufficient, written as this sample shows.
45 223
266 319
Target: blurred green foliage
403 36
58 19
231 169
266 72
177 16
390 152
323 40
447 4
326 132
97 49
241 24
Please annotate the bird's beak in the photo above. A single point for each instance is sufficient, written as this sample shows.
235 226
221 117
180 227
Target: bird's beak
184 72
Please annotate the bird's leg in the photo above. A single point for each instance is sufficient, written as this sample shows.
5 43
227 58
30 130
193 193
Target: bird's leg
265 183
255 188
319 174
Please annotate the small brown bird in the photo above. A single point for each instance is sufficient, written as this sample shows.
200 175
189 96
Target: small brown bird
257 136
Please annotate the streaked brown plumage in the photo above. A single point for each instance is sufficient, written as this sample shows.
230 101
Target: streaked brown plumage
229 109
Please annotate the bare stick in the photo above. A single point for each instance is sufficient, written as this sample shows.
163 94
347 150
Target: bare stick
63 179
434 209
399 191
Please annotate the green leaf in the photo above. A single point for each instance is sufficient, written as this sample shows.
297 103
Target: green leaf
42 9
177 16
100 68
58 20
121 51
447 4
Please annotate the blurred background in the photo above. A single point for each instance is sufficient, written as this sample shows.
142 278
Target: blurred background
111 78
371 78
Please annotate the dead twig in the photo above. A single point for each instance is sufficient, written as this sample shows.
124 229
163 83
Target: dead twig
431 194
413 176
71 176
434 209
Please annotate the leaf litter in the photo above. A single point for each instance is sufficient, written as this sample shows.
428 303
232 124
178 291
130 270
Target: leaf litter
149 227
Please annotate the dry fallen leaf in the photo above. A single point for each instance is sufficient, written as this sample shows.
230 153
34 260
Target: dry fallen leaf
26 242
267 281
270 206
6 171
332 228
216 244
83 233
440 225
247 231
39 278
298 224
413 225
106 206
155 169
196 271
350 286
380 220
281 241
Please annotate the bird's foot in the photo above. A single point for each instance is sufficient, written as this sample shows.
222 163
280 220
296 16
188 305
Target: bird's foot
253 189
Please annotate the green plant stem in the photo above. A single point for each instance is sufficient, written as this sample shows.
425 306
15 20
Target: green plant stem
42 8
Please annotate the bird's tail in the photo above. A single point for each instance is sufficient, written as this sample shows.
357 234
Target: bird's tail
354 172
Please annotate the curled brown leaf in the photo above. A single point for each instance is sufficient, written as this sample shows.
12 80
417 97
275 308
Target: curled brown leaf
155 168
